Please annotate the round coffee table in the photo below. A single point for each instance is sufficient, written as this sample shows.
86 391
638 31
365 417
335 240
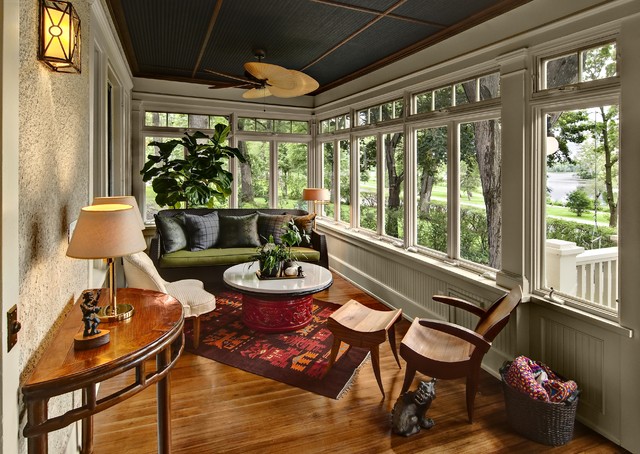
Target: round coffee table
277 305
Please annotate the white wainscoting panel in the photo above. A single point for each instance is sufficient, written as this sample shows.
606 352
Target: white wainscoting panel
586 353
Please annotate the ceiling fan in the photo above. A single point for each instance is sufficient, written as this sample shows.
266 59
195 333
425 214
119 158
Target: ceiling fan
264 79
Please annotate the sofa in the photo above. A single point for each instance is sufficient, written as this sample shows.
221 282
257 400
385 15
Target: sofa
201 243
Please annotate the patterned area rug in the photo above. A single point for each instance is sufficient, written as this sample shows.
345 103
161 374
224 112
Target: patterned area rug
298 358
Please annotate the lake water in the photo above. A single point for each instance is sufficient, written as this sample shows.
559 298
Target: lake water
562 183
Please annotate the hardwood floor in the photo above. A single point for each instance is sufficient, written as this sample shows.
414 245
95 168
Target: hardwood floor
220 409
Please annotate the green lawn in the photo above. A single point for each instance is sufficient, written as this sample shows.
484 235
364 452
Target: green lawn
440 194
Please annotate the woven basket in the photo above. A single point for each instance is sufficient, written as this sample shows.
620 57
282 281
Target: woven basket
548 423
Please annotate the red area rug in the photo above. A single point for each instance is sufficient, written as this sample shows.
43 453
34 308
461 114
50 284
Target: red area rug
298 358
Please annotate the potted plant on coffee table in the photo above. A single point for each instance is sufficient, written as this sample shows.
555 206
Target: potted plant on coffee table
290 238
270 257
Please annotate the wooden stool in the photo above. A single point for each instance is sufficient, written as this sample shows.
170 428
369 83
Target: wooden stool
360 326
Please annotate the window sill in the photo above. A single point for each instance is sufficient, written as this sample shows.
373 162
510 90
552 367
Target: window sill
385 247
585 316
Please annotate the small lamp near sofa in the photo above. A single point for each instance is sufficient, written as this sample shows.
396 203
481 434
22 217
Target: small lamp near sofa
105 232
316 195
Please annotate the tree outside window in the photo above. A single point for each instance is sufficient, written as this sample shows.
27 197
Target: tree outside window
344 167
292 174
254 174
368 190
431 213
394 184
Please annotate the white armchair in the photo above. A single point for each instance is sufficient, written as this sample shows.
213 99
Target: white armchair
140 272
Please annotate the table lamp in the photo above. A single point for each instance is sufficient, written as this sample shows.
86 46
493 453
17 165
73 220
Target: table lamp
316 195
105 232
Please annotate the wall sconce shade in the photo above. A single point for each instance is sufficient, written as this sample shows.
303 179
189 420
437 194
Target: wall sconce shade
551 145
59 46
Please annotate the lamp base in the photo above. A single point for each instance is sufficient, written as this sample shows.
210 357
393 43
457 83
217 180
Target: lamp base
81 342
123 312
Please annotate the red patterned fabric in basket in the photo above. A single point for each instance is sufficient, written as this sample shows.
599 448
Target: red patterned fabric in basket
538 380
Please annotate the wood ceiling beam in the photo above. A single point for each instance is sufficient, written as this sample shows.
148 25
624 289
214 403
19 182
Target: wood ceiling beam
471 21
362 9
356 33
205 41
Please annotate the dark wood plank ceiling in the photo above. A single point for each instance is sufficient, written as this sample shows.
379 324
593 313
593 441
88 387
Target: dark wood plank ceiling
332 41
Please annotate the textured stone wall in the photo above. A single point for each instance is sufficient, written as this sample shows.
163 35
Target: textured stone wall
53 185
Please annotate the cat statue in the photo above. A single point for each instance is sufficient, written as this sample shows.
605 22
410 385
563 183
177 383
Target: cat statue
408 414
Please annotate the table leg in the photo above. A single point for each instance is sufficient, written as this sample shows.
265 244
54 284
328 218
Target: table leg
164 404
88 399
36 415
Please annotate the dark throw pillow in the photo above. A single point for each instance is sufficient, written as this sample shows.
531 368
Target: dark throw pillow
203 230
172 232
272 224
239 231
305 225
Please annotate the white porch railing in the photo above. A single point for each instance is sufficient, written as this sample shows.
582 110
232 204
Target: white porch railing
590 275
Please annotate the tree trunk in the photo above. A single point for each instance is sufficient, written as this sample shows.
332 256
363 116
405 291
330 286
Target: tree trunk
610 161
487 144
426 188
394 180
246 181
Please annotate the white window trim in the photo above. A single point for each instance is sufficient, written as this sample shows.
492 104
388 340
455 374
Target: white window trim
608 94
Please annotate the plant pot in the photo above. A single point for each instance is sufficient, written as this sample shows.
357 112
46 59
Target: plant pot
269 272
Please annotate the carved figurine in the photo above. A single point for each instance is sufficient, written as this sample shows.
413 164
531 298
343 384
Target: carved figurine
409 411
89 310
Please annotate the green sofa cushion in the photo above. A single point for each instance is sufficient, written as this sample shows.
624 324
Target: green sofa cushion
226 256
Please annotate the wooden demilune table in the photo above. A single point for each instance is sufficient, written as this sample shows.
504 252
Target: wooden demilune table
277 305
154 331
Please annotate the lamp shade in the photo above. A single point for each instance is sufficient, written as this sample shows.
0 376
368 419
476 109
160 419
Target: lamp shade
106 231
315 194
121 199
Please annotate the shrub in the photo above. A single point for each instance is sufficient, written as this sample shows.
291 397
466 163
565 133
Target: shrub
578 201
581 234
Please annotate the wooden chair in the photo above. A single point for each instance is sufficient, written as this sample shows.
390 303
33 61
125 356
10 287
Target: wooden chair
445 350
361 326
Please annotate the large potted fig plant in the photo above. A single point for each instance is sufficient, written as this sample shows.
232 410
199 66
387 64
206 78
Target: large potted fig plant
199 178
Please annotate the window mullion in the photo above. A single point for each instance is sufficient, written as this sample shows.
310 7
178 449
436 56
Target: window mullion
381 173
355 181
453 191
337 155
273 173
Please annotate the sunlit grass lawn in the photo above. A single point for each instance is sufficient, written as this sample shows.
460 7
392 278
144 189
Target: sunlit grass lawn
440 194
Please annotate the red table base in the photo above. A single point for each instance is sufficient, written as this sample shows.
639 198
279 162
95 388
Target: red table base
277 315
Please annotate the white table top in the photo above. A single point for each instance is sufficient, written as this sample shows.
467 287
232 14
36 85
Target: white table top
243 277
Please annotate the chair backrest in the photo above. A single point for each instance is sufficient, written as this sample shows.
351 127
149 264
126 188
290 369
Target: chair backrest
497 316
140 272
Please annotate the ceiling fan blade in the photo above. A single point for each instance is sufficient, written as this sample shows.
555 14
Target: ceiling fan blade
303 84
256 93
274 75
244 80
